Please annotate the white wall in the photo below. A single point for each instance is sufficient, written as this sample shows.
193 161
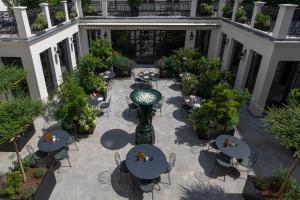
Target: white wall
2 6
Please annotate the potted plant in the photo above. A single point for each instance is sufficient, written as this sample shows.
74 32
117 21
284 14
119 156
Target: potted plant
134 5
122 65
60 16
89 11
40 22
73 13
102 49
262 22
92 83
205 9
189 85
227 11
241 15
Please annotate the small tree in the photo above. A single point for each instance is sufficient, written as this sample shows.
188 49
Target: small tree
284 122
102 49
15 117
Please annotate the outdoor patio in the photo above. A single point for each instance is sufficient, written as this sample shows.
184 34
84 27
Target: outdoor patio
94 174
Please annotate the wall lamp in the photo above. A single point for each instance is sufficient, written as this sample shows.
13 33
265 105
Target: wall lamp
192 36
105 35
242 54
227 41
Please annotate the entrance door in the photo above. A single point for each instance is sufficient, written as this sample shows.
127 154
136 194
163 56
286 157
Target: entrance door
287 77
235 57
63 56
253 71
48 73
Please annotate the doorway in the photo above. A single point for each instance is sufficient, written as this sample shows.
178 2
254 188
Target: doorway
64 57
47 71
235 57
202 41
253 71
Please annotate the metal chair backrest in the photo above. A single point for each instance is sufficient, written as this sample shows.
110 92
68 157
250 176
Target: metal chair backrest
172 159
30 149
253 160
109 101
117 159
161 102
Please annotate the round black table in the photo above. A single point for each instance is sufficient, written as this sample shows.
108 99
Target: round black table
238 150
150 169
61 141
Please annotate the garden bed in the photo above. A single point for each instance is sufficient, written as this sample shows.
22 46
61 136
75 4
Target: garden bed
21 141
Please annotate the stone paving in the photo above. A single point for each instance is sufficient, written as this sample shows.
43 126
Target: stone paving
94 175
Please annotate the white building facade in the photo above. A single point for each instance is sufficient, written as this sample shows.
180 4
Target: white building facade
265 62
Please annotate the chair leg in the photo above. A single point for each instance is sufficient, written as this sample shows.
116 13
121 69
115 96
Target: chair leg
69 162
76 146
120 177
152 194
109 109
107 112
169 177
160 112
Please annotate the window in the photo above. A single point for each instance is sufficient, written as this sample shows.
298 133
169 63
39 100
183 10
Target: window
93 35
202 41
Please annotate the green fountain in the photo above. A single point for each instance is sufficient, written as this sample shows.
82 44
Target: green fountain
145 99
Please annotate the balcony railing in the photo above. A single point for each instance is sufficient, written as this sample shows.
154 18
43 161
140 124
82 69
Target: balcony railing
8 23
94 8
206 9
295 25
118 8
272 12
57 14
72 10
248 8
37 20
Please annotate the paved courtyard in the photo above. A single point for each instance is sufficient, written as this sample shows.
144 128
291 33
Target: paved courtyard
94 175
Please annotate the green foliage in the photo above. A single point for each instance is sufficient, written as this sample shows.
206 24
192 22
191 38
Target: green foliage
13 182
205 9
294 96
73 12
262 20
241 15
93 83
40 22
135 3
219 113
284 122
101 49
189 85
28 3
26 162
16 115
60 15
53 2
89 10
40 172
10 76
73 107
90 64
227 11
28 193
243 97
121 64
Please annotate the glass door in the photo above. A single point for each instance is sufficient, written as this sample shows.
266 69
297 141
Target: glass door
48 74
63 56
235 58
253 71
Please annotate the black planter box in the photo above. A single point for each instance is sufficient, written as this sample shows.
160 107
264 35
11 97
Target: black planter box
249 191
46 187
21 141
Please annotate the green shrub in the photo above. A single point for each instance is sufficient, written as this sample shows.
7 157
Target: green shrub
40 22
122 65
93 83
135 3
241 15
90 64
102 49
205 9
40 172
227 11
28 193
262 21
60 15
13 182
294 96
73 12
89 10
189 85
26 161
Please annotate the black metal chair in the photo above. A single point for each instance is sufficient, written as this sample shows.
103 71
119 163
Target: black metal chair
62 154
122 165
223 161
249 162
170 165
159 105
136 80
212 145
36 155
106 105
148 185
131 105
155 79
73 138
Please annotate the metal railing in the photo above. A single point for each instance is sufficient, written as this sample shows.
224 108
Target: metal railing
8 23
56 14
94 8
158 8
72 10
205 9
248 8
272 12
36 26
295 25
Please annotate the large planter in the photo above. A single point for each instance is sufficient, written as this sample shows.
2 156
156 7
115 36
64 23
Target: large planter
21 141
249 191
262 27
46 187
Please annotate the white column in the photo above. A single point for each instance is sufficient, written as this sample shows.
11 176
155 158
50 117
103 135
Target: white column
243 69
78 7
55 65
263 84
20 13
190 38
235 8
84 43
284 20
214 43
221 5
71 52
193 8
104 9
65 7
45 9
258 6
227 54
35 78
